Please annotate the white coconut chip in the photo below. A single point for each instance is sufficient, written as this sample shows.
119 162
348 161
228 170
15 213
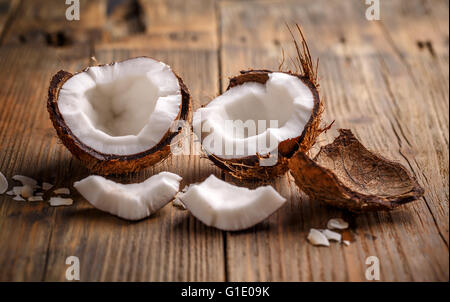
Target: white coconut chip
59 201
131 201
39 194
46 186
332 235
63 191
10 193
17 190
337 223
25 180
35 198
316 237
346 242
3 183
227 207
18 198
27 191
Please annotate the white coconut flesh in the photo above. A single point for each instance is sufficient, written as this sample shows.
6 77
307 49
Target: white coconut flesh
227 207
130 201
124 108
279 109
3 183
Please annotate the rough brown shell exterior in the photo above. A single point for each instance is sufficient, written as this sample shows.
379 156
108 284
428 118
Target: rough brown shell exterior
347 175
109 163
248 167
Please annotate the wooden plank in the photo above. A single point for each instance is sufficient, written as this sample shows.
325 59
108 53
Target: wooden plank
171 245
367 88
29 147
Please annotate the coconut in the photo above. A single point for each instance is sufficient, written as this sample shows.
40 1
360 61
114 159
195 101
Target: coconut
117 118
129 201
347 175
228 207
3 183
273 113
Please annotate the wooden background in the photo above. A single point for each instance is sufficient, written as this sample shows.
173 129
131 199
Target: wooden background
387 80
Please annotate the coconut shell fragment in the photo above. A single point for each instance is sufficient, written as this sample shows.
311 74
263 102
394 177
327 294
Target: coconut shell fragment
347 175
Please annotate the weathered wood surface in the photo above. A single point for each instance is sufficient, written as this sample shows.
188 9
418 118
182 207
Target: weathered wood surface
387 80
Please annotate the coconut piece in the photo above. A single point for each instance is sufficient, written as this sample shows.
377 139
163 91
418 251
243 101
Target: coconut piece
25 180
3 183
273 114
316 237
228 207
27 191
46 186
131 201
18 198
35 198
346 242
332 235
39 194
17 190
347 175
10 193
59 201
63 191
116 118
337 223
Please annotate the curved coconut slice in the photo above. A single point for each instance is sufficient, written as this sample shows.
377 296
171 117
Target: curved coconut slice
262 119
347 175
116 118
227 207
3 183
131 201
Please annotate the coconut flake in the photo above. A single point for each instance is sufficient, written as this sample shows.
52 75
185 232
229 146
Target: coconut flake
59 201
25 180
346 242
332 235
39 194
18 198
337 223
316 237
227 207
46 186
63 191
131 201
10 193
3 183
35 198
17 190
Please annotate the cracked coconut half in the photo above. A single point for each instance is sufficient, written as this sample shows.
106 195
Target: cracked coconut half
347 175
117 118
262 119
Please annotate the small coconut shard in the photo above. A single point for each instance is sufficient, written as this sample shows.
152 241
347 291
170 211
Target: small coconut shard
25 180
130 201
117 118
316 237
262 119
59 201
3 183
347 175
227 207
337 224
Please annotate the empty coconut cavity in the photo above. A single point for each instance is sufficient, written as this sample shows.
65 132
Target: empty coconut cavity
227 207
130 201
117 118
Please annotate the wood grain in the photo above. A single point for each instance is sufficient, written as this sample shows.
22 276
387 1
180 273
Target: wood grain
386 80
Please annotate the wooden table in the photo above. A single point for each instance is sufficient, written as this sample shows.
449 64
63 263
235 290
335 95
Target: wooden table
387 80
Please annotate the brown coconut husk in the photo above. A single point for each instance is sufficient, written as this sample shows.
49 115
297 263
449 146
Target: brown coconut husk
347 175
102 163
249 167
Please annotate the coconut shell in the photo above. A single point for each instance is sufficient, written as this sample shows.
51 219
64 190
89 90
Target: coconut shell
249 167
102 163
347 175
